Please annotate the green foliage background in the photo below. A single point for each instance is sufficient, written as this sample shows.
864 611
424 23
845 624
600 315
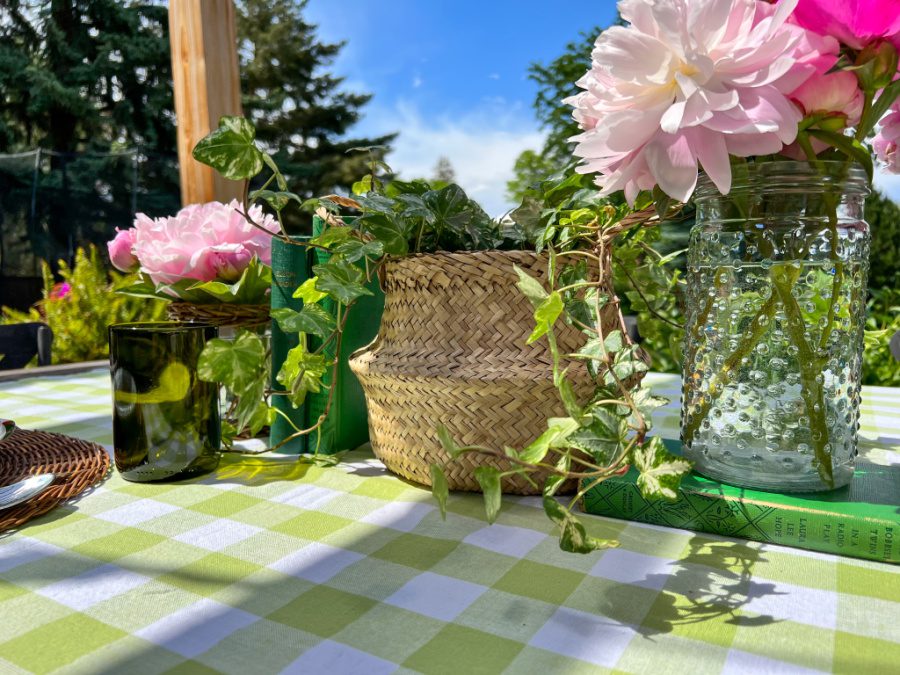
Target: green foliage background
79 320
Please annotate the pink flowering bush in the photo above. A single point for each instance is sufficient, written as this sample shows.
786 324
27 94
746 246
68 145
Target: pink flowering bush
202 243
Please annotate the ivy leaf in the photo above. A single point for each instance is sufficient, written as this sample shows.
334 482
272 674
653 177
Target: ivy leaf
311 319
531 287
277 200
231 149
572 535
594 352
546 315
279 177
237 363
613 342
447 442
386 230
302 372
363 185
489 479
308 292
341 280
440 489
602 438
354 249
660 471
558 431
331 236
249 403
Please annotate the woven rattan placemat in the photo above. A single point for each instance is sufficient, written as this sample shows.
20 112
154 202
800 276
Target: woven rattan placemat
78 465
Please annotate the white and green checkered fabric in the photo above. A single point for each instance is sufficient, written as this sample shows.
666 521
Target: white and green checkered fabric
268 565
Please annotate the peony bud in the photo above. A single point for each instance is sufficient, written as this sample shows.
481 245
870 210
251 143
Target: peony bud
831 96
876 66
121 253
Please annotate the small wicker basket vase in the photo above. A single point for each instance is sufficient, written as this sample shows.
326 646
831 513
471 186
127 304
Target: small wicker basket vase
219 314
451 350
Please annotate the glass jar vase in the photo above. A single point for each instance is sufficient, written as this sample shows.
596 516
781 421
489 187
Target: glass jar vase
774 333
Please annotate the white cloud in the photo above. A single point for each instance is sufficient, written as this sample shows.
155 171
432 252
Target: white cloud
888 184
417 82
482 145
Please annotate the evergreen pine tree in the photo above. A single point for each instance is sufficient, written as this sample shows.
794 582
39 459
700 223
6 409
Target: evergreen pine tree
443 171
300 112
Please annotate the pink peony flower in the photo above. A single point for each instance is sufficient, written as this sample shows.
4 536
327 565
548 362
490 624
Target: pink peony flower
201 241
121 253
855 23
835 95
225 262
691 82
888 138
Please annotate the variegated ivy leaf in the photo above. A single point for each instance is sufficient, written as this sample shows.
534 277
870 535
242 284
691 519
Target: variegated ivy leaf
558 431
332 236
302 372
572 535
660 472
531 287
546 315
311 319
341 280
354 249
231 149
308 292
489 480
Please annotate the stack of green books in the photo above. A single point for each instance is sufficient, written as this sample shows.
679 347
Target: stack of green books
347 425
861 520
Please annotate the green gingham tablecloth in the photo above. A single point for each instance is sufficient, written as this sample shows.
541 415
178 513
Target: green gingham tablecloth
273 566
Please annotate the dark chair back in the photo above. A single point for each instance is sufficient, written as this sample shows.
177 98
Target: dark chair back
21 342
895 346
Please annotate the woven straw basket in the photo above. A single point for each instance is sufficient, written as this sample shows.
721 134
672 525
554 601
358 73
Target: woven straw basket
451 350
219 314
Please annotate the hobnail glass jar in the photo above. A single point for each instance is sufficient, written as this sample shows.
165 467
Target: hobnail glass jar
774 333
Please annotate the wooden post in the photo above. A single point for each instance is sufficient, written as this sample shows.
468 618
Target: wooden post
207 86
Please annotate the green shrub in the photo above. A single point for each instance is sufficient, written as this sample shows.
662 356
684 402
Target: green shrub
879 366
81 307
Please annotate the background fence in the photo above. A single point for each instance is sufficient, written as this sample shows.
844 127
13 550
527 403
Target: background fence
51 203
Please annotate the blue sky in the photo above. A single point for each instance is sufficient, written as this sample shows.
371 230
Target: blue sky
451 77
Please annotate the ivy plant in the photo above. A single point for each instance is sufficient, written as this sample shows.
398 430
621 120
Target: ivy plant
582 236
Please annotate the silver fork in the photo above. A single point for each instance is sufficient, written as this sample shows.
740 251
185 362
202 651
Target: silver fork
10 495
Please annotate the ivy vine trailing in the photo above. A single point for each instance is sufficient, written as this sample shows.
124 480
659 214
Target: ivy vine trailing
581 234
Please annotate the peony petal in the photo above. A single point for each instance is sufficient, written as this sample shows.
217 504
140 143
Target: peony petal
673 164
713 156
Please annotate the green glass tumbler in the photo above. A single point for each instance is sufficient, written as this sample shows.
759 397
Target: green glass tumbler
165 418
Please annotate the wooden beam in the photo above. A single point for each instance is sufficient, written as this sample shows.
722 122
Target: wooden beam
207 86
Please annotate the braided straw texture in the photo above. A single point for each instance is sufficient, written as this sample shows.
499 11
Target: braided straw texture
78 465
222 314
451 350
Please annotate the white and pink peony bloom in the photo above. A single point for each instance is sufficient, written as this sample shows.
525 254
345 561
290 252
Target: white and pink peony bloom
888 138
202 241
689 83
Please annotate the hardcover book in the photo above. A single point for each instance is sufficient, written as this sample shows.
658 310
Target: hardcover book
861 520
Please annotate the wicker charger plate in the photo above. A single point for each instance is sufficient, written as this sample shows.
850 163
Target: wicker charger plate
78 465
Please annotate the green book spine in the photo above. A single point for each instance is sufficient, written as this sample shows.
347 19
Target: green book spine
347 426
290 268
861 520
